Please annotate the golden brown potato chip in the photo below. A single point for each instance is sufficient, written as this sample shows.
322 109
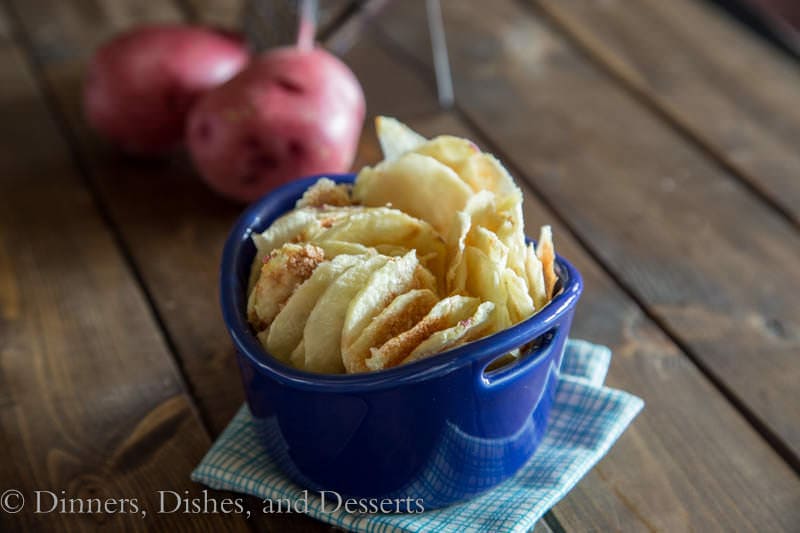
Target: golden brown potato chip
547 255
286 330
464 331
416 184
400 315
322 336
446 313
283 270
395 137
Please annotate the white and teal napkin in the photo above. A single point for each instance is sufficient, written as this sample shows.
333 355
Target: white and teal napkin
585 421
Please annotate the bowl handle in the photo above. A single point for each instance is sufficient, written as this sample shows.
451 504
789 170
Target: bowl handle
552 339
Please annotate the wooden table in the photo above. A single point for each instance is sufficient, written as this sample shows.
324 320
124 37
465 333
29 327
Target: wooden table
659 138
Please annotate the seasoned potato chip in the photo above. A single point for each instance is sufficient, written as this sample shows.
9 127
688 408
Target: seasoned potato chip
322 335
547 255
396 138
286 330
299 225
393 278
399 316
446 313
464 331
325 192
416 184
283 270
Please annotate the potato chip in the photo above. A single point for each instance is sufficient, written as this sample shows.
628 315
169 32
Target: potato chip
490 244
323 332
519 301
299 225
399 316
283 270
485 282
547 255
298 357
385 228
416 184
451 151
286 330
446 313
456 241
535 276
464 331
334 248
393 278
326 192
483 172
396 138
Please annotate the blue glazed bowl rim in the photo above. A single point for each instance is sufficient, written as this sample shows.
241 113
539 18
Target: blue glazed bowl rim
233 302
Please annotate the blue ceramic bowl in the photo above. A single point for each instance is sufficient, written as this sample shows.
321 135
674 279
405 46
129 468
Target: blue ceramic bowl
439 430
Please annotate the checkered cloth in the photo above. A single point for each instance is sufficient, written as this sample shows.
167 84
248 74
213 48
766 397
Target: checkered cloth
585 420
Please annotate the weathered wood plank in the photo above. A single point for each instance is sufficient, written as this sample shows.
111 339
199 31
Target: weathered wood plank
172 224
729 89
707 259
91 402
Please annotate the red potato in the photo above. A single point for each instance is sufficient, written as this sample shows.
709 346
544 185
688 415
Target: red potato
141 85
290 113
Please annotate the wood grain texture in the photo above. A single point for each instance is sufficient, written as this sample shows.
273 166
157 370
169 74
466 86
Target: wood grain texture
732 91
709 261
172 225
91 402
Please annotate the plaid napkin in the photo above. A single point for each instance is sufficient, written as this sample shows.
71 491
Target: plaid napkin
585 420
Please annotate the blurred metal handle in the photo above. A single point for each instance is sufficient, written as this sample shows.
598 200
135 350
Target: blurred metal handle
441 60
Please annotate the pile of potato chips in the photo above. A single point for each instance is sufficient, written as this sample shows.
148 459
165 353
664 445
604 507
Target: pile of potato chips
425 252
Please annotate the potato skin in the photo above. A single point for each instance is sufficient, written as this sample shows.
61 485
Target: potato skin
140 86
290 113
